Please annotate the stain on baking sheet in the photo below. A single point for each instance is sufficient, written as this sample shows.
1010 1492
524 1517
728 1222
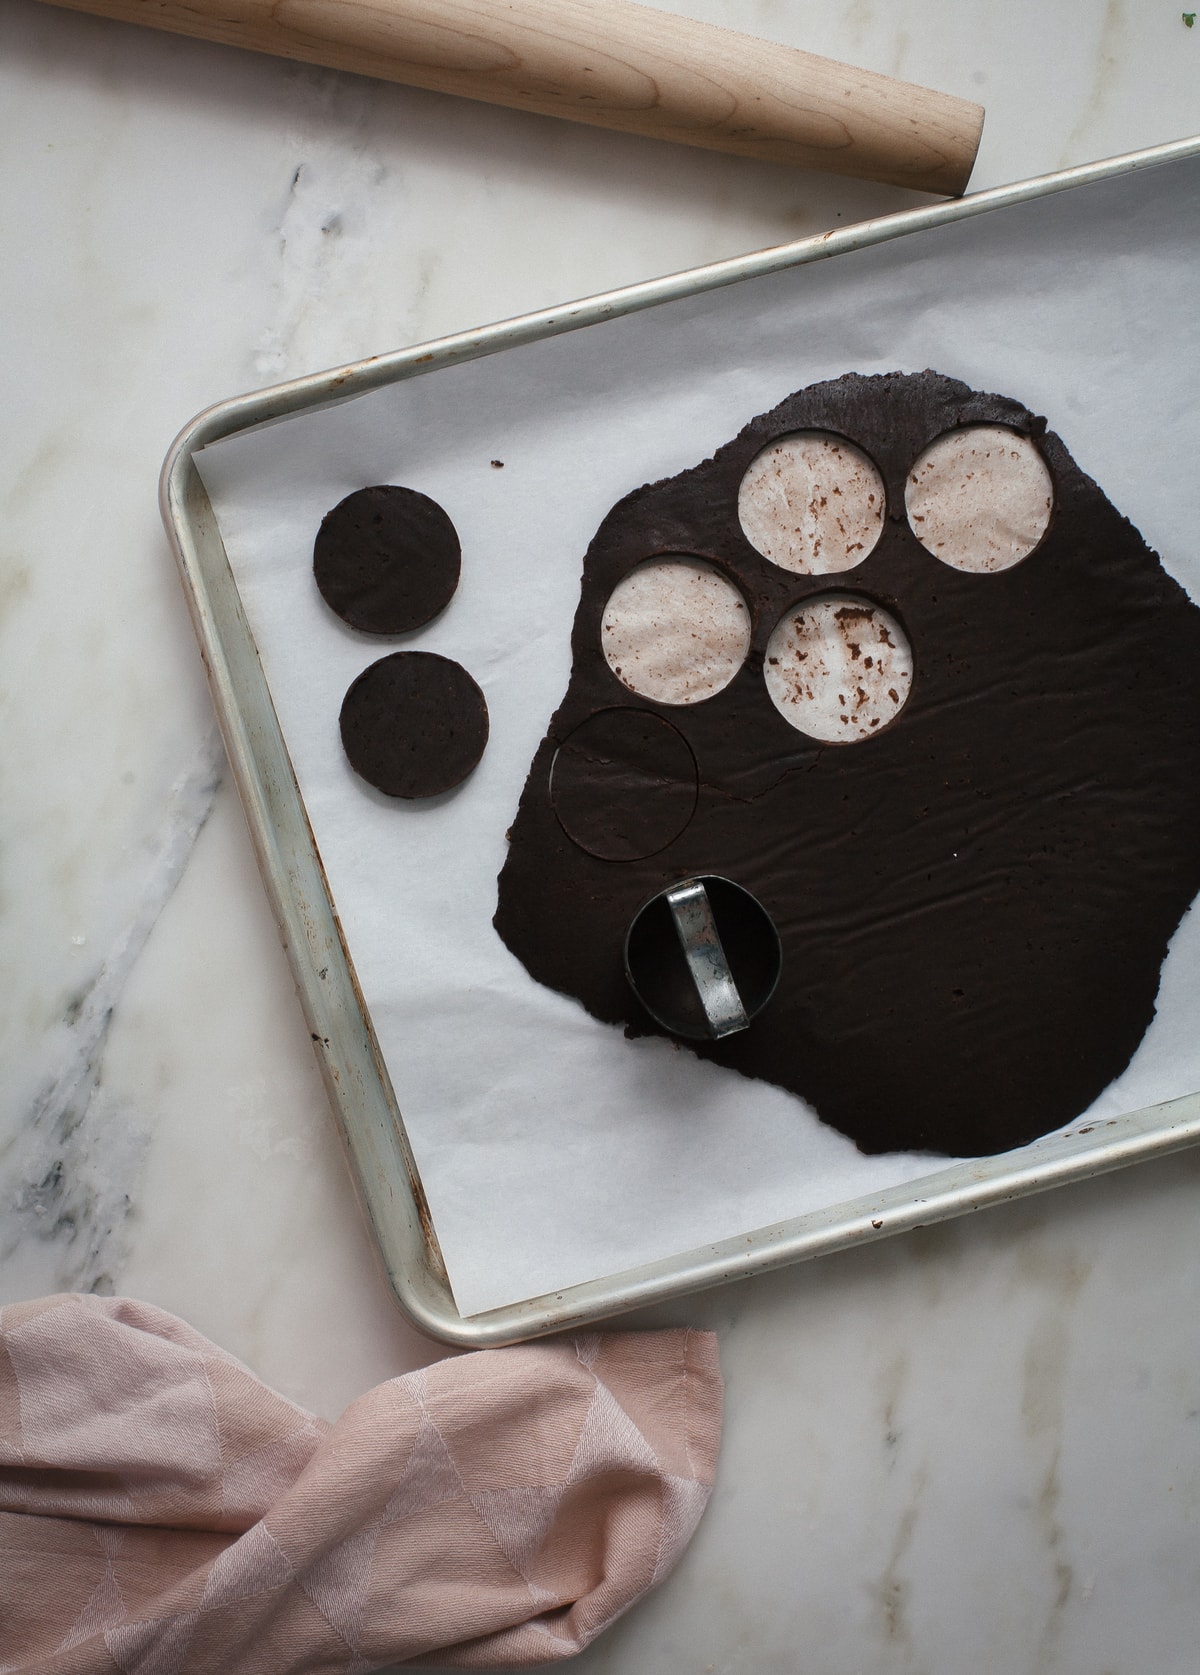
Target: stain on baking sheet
947 733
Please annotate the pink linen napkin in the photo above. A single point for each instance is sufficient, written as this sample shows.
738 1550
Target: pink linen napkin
163 1513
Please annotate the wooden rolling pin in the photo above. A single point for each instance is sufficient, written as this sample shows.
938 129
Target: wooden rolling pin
616 65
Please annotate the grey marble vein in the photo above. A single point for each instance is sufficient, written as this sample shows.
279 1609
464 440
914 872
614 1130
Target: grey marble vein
70 1161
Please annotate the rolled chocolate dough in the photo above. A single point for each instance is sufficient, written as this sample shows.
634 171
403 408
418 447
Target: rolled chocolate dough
974 901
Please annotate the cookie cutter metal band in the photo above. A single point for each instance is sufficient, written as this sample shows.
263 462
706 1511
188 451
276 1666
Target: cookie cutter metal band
701 943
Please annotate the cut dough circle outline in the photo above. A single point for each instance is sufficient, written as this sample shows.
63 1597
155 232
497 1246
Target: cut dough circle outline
624 784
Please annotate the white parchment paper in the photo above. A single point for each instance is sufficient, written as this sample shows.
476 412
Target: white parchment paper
552 1150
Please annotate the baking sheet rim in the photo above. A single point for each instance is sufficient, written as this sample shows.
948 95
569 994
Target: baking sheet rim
364 1105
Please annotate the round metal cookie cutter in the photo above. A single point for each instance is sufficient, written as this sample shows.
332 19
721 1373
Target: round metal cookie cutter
704 957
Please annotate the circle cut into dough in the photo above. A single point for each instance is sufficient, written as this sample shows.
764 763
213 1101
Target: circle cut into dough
980 498
624 784
675 630
838 667
812 503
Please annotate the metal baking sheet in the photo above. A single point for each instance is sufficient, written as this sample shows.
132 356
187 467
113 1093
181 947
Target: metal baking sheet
363 1101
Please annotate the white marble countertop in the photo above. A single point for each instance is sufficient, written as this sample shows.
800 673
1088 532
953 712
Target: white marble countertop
974 1447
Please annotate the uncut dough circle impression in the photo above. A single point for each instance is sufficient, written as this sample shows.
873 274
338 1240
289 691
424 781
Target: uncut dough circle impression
812 503
979 499
624 784
838 667
675 630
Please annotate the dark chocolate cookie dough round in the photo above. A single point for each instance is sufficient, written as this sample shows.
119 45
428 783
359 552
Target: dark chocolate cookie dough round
387 559
414 724
975 900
